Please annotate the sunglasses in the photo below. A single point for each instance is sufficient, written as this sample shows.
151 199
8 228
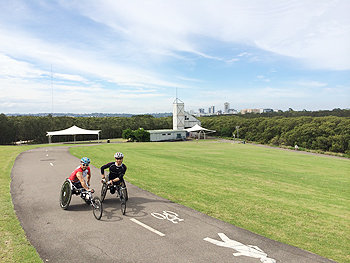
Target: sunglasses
85 164
118 158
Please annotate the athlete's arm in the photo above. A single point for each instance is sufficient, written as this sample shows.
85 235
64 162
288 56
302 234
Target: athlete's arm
82 181
88 177
103 167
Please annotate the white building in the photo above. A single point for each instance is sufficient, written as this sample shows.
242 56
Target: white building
181 121
181 118
190 120
167 135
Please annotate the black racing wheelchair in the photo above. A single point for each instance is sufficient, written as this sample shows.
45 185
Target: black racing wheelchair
119 189
68 189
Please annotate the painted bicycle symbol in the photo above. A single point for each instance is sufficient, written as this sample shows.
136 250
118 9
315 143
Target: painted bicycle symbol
171 216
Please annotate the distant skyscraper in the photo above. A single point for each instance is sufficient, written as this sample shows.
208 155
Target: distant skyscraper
226 107
211 110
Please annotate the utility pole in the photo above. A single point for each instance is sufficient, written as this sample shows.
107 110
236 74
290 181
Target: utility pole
51 91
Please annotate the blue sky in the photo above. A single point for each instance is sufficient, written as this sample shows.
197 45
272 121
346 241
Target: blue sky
114 56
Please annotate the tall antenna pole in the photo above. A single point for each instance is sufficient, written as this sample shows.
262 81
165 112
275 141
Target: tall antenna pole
51 91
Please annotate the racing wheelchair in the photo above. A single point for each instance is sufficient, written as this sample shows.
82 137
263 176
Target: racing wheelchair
120 190
68 189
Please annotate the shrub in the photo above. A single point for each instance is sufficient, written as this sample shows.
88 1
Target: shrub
128 134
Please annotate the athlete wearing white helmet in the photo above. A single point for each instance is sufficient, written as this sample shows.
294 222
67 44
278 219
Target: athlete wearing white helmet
118 155
116 171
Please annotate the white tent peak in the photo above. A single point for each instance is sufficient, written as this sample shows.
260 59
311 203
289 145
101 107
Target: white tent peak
74 130
197 128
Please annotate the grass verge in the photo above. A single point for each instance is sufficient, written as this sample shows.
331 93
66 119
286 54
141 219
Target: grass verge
14 246
298 199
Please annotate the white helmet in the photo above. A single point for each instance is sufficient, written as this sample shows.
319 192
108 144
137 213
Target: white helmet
118 155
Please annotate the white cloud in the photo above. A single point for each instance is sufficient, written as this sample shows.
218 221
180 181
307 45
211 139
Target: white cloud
311 84
70 77
312 30
11 68
142 50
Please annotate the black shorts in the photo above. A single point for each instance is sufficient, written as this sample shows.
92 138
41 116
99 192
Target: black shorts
77 185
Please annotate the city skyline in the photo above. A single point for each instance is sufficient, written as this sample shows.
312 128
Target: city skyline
134 56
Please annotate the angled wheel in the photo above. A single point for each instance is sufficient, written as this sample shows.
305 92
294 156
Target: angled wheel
126 191
97 208
65 195
122 196
126 194
103 191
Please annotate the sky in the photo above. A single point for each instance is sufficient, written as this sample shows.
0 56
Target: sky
137 57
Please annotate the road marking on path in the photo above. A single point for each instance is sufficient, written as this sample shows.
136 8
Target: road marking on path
147 227
51 164
169 215
242 250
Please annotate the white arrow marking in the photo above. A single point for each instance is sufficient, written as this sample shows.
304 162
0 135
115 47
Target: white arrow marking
243 250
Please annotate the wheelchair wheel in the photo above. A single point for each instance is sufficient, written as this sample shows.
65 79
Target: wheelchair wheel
126 191
103 191
97 208
66 195
122 196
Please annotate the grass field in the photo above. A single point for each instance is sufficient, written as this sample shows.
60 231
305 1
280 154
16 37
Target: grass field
14 246
299 199
295 198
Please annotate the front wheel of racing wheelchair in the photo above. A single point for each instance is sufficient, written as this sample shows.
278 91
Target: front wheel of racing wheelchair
121 192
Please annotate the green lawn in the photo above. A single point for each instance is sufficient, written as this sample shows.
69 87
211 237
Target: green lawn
14 246
299 199
295 198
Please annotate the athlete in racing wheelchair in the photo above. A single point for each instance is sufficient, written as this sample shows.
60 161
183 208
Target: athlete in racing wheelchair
77 185
114 181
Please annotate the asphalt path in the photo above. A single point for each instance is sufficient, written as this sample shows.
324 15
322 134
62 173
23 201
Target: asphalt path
153 229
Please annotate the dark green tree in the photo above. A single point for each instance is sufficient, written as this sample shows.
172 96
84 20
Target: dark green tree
142 135
128 134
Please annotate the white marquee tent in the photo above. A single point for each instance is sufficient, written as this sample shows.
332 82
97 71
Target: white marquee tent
198 129
74 130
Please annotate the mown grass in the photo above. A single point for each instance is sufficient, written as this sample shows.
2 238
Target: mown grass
292 197
14 246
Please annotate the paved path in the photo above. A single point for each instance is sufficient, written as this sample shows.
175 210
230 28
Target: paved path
144 234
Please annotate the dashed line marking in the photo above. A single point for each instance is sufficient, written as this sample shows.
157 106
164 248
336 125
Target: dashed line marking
147 227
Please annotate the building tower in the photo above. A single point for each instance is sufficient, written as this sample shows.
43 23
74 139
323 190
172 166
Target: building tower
211 110
178 115
226 107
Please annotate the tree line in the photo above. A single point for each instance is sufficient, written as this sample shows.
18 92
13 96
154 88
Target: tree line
32 128
327 131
